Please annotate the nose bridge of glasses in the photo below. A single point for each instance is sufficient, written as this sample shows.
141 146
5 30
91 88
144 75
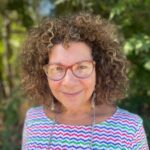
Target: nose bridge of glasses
69 70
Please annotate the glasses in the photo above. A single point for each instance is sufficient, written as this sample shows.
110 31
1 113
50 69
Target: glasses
82 69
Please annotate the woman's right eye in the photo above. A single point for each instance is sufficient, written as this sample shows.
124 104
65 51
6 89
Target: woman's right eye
58 68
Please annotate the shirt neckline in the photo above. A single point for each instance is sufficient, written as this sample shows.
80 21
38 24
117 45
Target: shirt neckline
97 123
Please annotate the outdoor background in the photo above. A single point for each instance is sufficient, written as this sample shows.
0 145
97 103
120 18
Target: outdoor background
132 18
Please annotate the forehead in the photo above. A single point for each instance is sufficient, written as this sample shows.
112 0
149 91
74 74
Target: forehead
75 52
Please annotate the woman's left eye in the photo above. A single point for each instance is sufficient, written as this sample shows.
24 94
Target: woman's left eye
82 67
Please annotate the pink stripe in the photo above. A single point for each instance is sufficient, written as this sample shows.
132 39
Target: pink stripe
113 132
73 127
104 138
71 134
125 121
36 146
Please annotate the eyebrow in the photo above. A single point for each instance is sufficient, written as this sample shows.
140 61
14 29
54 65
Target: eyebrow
59 63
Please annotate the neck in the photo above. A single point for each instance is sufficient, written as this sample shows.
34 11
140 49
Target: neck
77 111
79 116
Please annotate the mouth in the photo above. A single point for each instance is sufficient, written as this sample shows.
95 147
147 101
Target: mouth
72 93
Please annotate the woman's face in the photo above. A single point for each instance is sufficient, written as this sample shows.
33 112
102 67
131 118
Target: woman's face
71 91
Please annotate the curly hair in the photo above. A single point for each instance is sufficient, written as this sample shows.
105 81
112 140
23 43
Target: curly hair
98 33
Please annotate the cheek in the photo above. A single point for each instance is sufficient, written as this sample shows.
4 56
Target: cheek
53 85
89 83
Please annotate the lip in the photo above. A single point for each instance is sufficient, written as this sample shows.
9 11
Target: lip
72 94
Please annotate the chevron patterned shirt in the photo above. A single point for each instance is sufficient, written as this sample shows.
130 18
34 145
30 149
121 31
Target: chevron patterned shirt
122 131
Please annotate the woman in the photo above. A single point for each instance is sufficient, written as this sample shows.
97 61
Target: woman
74 67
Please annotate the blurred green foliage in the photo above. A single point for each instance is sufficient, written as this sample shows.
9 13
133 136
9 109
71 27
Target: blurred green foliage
132 18
12 127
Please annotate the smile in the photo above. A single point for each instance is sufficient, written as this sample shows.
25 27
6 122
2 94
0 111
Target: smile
72 94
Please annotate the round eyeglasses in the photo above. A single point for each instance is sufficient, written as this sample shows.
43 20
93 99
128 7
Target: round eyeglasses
57 71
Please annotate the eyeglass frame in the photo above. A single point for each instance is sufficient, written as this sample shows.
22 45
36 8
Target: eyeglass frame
69 67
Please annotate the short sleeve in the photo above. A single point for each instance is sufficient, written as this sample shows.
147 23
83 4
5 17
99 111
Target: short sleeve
140 140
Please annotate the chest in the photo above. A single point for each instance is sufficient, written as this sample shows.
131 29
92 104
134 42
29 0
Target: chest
63 137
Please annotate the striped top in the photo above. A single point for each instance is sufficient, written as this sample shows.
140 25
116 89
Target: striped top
122 131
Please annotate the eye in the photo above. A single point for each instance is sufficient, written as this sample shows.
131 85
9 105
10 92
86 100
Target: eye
59 68
82 67
56 68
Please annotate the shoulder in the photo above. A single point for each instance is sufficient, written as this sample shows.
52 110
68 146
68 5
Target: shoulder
34 114
134 126
127 120
34 111
127 115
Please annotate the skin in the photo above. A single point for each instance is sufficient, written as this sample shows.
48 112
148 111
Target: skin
74 93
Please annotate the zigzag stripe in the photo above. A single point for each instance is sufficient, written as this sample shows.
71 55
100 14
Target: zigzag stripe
64 142
38 139
102 133
114 138
41 117
31 116
102 136
123 116
72 131
71 128
70 143
112 131
40 121
60 146
36 127
72 139
66 147
123 124
125 121
110 146
32 147
107 144
115 126
37 118
33 123
44 130
78 127
124 112
42 135
68 135
42 126
35 144
34 114
95 144
104 129
119 129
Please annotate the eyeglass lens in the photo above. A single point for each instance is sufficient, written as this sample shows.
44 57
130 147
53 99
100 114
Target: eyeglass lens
80 70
